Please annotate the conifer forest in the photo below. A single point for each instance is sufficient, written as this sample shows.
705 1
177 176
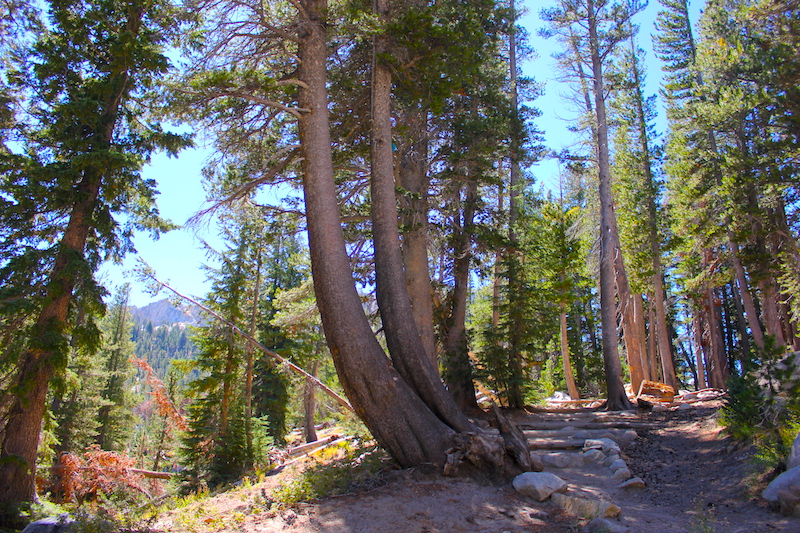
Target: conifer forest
388 261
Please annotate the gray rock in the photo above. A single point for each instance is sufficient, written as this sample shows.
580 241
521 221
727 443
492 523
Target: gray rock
51 524
539 485
603 525
594 455
622 473
658 408
563 460
794 454
784 491
684 407
536 462
610 459
616 465
585 508
605 444
633 483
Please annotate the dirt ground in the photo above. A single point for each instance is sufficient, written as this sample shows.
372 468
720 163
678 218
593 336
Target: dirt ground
697 480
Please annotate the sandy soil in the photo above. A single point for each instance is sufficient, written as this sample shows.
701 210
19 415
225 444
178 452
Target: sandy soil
697 481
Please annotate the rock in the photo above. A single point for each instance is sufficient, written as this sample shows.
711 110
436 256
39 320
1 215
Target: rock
781 492
632 483
539 485
601 525
585 508
789 500
610 459
563 460
659 408
794 454
51 524
536 462
594 455
684 407
616 465
605 444
622 473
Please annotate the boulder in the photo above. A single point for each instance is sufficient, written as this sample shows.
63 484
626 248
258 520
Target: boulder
684 407
609 460
784 491
51 524
605 444
594 455
536 463
539 485
622 473
659 408
585 508
794 454
616 465
633 483
563 460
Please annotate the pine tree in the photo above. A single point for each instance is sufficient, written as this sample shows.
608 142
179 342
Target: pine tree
85 140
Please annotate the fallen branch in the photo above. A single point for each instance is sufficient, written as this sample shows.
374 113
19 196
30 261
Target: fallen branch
147 272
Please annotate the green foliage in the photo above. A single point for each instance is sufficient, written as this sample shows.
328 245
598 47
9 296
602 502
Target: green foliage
338 470
763 403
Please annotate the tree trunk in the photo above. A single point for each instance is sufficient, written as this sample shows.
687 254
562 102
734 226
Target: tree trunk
20 437
310 404
456 363
251 348
398 419
402 337
701 382
568 375
617 399
413 178
630 321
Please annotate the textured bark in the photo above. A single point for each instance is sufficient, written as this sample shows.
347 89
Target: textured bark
631 323
746 296
396 416
617 399
697 323
310 404
569 377
456 363
413 178
402 337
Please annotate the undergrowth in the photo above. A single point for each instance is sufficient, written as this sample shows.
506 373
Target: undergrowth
336 470
763 405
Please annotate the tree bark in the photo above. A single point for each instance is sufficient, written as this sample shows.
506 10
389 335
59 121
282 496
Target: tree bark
456 363
413 178
617 399
569 377
310 404
397 417
402 337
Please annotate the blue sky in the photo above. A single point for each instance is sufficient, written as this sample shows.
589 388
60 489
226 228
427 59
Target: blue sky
178 255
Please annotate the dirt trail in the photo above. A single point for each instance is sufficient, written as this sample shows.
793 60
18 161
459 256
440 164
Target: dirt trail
696 481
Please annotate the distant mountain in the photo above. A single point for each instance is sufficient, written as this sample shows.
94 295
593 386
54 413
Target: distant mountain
163 312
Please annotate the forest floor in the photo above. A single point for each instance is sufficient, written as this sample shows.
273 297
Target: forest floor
697 481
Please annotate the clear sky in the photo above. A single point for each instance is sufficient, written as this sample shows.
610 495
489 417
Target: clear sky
178 255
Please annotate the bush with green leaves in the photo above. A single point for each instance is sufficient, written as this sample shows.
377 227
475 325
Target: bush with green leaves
763 403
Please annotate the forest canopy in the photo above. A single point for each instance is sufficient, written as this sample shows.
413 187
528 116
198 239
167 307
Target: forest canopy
413 264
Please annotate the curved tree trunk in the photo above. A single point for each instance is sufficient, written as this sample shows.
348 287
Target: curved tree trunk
395 415
402 337
569 377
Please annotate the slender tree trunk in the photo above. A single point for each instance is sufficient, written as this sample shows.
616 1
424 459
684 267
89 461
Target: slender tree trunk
701 382
457 366
251 348
649 369
568 375
744 291
631 323
310 403
413 178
